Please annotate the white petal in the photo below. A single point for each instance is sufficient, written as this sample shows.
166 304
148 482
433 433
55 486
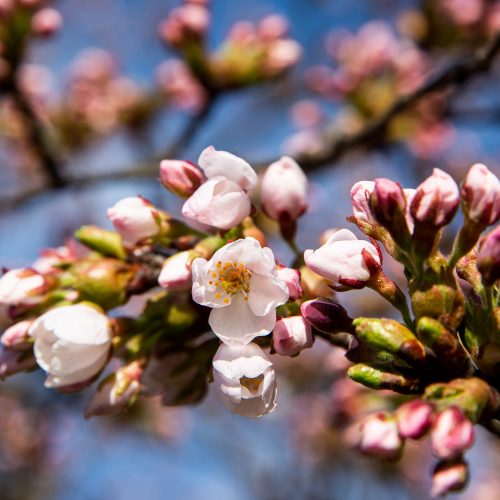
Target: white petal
238 325
266 294
221 163
203 292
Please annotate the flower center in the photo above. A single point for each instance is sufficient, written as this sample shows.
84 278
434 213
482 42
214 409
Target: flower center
252 385
232 277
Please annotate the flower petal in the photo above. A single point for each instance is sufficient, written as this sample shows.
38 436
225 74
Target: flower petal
221 163
238 325
266 294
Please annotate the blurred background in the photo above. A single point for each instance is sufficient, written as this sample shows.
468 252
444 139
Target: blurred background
105 88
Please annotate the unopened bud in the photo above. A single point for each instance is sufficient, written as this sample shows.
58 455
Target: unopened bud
46 22
388 204
251 230
180 177
101 240
23 286
291 335
452 434
326 316
16 337
377 379
443 342
436 200
208 246
414 418
116 392
391 336
449 477
292 279
102 281
380 438
176 272
135 218
481 196
313 284
488 259
284 190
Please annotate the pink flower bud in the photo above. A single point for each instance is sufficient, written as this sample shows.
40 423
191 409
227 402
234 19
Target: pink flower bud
180 177
341 259
116 392
360 199
17 337
481 195
281 55
284 190
436 200
379 437
46 22
292 279
414 419
326 316
452 434
388 201
448 477
291 335
176 272
134 219
273 27
488 258
22 287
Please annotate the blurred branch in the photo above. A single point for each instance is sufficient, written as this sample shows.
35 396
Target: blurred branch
37 136
455 75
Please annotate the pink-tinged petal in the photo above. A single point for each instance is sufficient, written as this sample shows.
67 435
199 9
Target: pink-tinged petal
238 325
266 294
218 202
360 194
223 164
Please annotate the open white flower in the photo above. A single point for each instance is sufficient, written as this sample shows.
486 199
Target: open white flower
222 201
240 282
245 377
72 344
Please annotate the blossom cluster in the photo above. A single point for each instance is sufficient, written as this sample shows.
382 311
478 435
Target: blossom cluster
159 307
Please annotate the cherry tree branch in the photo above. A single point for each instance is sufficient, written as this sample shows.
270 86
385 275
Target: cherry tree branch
454 76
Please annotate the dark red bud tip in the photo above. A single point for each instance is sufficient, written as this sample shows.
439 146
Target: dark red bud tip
326 316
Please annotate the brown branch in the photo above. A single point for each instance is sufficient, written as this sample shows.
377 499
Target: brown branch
454 75
38 137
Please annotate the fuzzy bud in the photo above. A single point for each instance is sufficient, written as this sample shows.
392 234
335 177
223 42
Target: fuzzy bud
452 434
449 477
414 418
46 22
375 378
380 438
24 286
16 337
101 240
